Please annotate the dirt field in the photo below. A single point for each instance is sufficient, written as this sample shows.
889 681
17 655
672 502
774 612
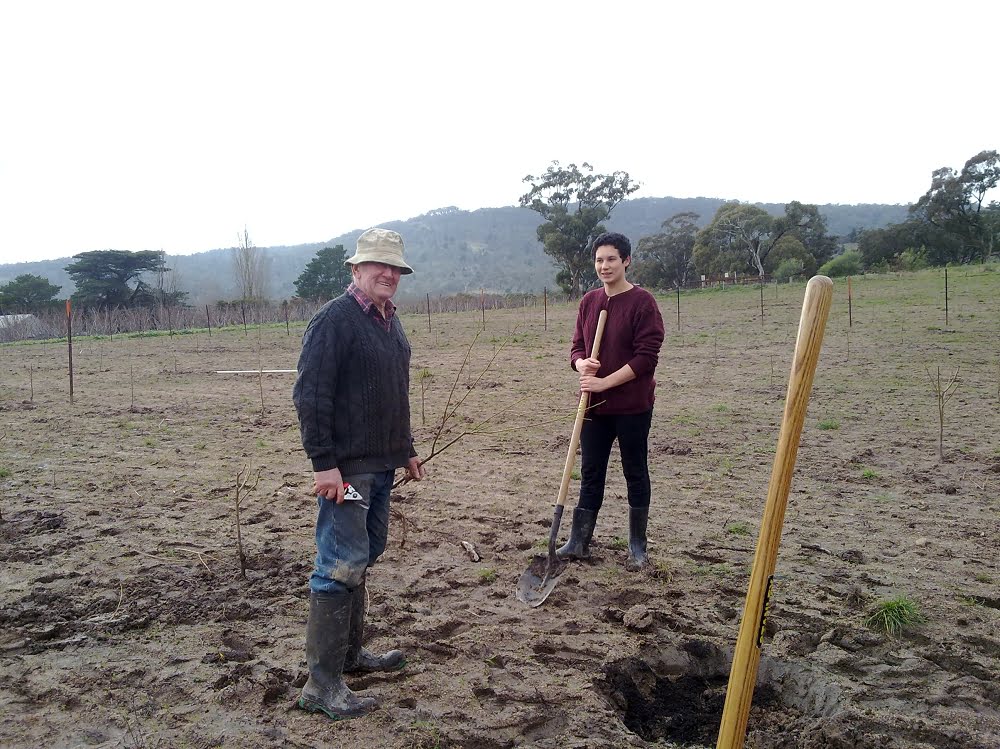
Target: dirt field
125 621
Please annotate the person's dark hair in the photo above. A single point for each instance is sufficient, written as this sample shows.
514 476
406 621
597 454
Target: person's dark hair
618 241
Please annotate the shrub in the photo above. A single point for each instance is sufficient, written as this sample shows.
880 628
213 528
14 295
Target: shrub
911 259
846 264
789 268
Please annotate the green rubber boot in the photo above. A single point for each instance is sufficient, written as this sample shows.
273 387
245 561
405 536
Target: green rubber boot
327 641
359 658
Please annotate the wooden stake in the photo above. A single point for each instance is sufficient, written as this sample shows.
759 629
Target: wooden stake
850 315
746 659
69 344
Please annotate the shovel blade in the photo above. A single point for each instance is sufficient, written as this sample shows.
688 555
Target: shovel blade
538 580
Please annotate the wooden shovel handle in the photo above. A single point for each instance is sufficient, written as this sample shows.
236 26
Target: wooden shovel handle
581 411
746 658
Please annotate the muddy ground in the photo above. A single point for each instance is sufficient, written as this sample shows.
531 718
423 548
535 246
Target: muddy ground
125 620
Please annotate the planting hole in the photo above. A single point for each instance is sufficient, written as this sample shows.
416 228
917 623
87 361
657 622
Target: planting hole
676 692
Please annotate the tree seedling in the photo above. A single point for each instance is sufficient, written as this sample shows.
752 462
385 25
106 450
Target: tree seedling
942 394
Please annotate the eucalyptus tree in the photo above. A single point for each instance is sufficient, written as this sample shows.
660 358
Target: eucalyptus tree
574 203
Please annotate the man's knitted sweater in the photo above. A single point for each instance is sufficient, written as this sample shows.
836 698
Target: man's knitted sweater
352 391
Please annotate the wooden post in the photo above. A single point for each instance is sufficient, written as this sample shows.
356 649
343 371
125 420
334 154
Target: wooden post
762 302
428 313
284 307
69 344
243 312
746 658
850 310
678 306
482 305
946 296
545 308
208 318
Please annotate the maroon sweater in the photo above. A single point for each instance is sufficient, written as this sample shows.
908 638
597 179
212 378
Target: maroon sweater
633 335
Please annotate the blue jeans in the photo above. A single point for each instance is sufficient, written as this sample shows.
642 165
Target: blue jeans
352 535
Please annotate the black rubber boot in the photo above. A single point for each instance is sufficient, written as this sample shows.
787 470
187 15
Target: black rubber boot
327 640
359 658
578 546
638 517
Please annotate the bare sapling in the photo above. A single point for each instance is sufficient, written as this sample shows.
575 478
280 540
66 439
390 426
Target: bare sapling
243 488
423 378
942 394
444 430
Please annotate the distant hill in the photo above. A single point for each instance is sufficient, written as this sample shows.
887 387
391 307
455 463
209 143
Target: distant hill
455 251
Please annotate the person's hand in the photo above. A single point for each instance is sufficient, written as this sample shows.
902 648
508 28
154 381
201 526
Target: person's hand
587 366
414 469
591 384
329 485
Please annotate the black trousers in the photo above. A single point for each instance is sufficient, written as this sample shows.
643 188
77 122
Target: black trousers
596 438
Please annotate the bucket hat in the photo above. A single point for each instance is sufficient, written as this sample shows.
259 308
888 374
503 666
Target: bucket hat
380 246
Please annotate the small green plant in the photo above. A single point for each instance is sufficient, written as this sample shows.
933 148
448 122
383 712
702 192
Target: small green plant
618 543
487 575
149 442
869 474
895 615
575 475
739 528
720 408
829 424
4 472
981 577
726 466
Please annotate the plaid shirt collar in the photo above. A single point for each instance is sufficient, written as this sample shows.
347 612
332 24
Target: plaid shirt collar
369 307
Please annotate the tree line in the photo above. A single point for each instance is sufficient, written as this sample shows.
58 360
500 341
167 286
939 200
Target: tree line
950 223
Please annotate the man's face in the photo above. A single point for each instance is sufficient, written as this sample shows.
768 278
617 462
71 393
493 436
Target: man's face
377 280
608 264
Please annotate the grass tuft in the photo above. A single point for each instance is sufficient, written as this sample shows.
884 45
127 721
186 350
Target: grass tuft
895 615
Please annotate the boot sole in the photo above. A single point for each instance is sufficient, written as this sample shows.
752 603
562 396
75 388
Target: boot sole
400 667
315 707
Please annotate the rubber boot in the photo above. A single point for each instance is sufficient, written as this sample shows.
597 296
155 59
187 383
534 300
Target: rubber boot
638 517
327 640
359 658
578 546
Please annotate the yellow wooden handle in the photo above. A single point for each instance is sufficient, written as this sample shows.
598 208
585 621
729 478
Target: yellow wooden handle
746 658
581 411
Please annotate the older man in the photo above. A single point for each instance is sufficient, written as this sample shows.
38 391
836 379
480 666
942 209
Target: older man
352 399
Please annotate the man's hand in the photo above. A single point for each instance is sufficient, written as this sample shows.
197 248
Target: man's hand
587 367
329 485
414 470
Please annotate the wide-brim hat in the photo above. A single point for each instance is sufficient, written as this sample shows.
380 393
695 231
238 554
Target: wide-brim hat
380 246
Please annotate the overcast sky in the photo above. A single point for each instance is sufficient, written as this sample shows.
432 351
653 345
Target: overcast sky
174 125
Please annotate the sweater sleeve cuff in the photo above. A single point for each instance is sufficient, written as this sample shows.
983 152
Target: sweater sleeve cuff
323 463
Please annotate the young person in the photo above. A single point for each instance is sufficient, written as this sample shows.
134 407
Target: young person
622 386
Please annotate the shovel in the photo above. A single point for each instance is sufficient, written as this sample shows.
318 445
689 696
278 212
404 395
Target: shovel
542 575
